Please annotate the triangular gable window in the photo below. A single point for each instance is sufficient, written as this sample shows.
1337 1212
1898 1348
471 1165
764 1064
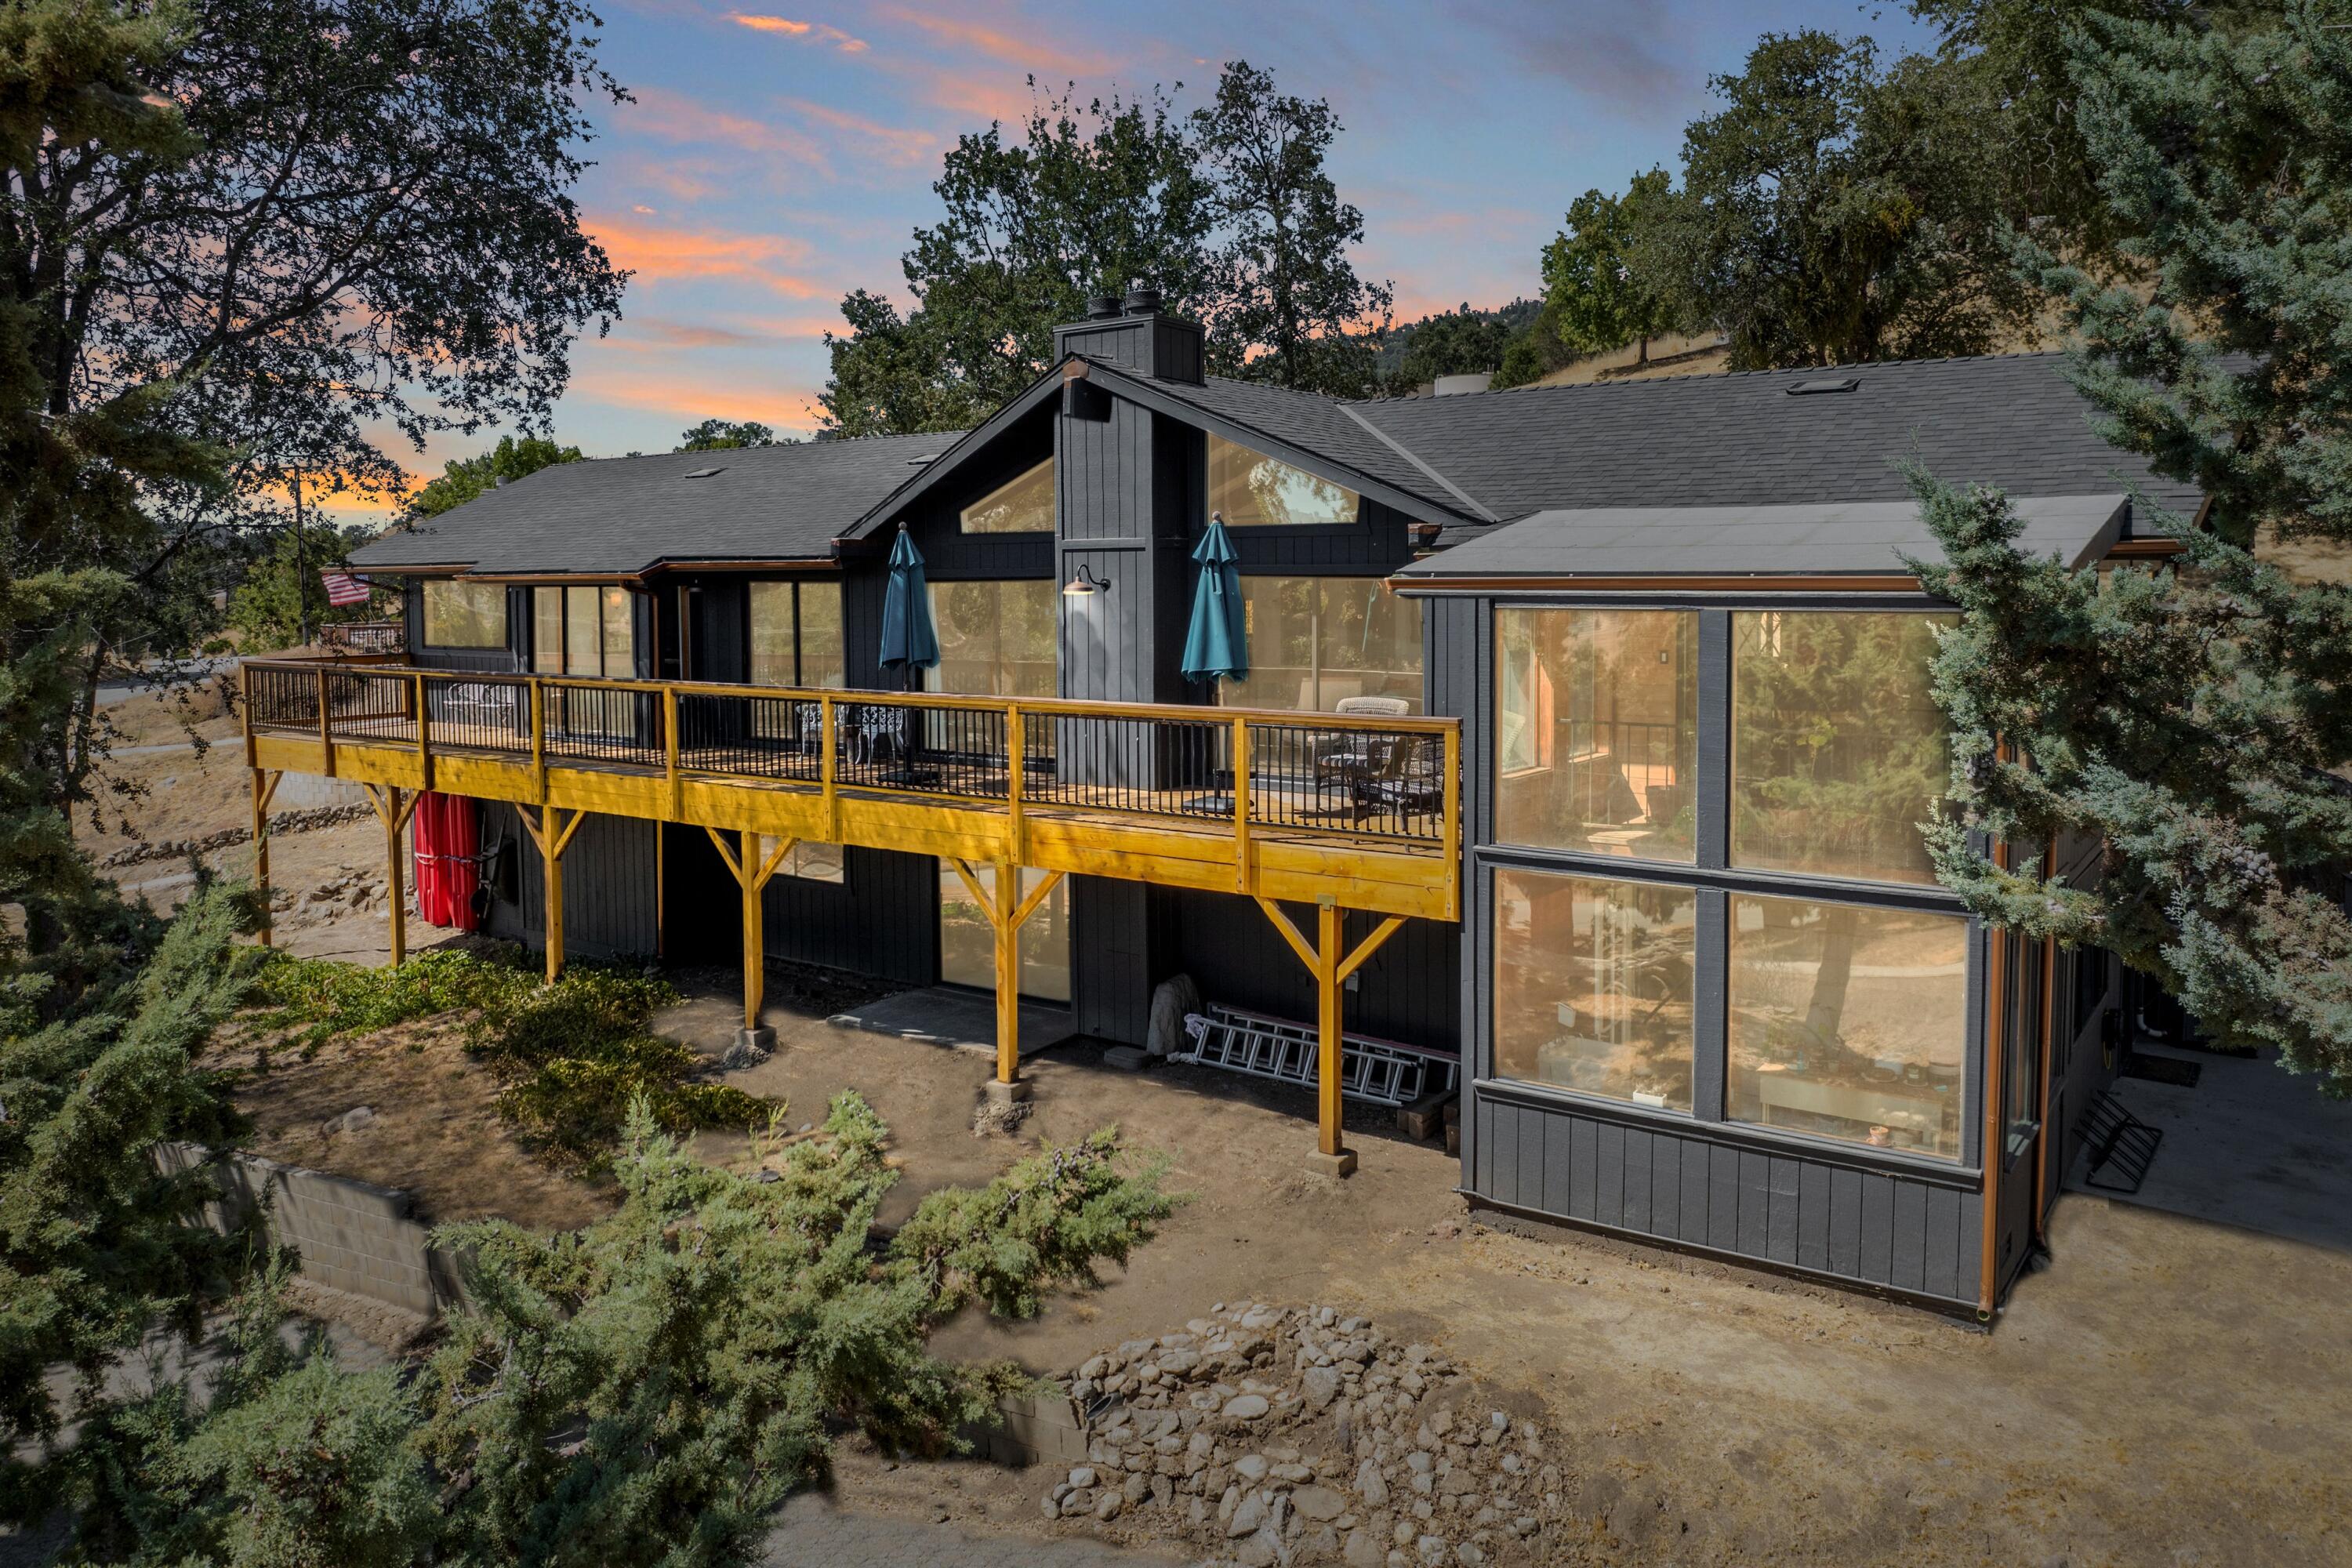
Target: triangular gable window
1252 490
1025 505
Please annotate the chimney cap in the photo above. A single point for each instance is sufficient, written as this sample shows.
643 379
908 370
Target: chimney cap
1141 296
1101 307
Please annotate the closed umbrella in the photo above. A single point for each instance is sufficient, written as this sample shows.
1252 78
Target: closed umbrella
909 641
1216 645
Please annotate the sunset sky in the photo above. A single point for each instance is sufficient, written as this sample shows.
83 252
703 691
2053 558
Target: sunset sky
778 156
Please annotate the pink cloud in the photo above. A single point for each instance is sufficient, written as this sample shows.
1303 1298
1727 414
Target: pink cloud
655 252
676 117
688 399
815 31
896 146
1024 49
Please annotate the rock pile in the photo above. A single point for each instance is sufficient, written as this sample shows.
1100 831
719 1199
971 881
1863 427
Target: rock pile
228 837
348 892
1299 1436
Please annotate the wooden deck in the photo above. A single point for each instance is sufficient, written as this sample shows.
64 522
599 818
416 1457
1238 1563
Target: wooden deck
1333 812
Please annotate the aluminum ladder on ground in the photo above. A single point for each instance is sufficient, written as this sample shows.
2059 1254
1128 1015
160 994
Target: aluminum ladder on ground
1377 1072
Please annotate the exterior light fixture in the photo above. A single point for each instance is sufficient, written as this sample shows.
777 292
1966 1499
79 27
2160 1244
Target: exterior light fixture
1085 584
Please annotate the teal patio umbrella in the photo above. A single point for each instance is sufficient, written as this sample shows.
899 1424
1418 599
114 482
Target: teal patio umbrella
909 641
1216 645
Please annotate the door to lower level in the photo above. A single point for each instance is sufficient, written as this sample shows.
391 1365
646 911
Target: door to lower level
967 946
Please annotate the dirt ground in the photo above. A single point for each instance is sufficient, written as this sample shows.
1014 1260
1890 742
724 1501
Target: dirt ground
432 1132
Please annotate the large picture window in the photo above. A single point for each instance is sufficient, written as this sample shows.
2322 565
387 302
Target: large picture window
1316 641
1023 505
997 637
586 629
1848 1022
796 635
464 615
1838 751
1593 985
1596 721
1251 490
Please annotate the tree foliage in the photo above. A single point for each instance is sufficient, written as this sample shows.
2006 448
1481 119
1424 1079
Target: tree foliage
235 240
1452 342
1289 307
724 434
1834 212
464 479
2193 717
97 1069
281 594
645 1391
1229 212
1091 198
1594 299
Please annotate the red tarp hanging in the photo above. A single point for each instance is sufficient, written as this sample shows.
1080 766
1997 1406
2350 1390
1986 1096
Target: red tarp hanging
447 830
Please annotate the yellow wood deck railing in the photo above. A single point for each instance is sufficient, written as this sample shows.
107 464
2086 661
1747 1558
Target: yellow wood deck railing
1337 813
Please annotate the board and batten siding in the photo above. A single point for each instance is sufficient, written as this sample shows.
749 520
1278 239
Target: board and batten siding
1904 1232
609 887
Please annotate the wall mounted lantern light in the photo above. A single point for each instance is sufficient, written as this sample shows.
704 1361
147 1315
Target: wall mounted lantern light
1085 584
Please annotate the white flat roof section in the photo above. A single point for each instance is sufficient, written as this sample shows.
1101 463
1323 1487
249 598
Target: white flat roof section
1812 539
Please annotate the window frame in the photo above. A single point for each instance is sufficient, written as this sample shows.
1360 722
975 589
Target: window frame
425 614
800 681
602 624
1714 879
1233 694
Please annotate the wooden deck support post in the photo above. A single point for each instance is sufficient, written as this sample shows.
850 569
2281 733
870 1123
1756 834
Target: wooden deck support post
552 835
1330 971
265 788
1007 910
393 807
751 872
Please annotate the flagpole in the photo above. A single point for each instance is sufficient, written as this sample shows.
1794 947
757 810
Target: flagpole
301 569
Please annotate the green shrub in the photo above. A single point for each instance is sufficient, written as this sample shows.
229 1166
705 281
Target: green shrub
324 997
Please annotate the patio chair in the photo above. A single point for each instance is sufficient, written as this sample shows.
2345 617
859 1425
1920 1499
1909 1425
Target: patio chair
1406 786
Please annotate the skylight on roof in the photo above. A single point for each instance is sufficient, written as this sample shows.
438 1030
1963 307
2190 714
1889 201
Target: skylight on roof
1840 383
706 473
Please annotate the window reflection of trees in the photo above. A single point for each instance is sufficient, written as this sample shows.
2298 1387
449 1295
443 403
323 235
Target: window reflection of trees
1848 1022
1316 641
1838 750
1594 984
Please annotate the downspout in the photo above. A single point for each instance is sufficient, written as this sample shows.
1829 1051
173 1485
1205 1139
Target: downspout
2048 1056
1996 1018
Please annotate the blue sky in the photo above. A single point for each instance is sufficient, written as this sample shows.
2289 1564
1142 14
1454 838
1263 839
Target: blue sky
778 155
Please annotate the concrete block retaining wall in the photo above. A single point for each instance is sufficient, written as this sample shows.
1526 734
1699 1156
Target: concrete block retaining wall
352 1235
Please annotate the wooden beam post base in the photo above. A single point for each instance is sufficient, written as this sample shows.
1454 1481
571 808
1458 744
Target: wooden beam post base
1324 961
265 788
1008 910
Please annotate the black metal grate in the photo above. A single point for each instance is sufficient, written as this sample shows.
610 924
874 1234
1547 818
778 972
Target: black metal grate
602 724
1388 783
476 712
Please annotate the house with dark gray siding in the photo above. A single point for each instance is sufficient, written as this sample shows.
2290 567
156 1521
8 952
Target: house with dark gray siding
1583 745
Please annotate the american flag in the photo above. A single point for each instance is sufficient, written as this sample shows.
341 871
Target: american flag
342 589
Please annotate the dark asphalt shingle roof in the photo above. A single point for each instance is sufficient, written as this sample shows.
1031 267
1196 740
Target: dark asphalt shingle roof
1720 441
1824 537
1692 441
619 516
